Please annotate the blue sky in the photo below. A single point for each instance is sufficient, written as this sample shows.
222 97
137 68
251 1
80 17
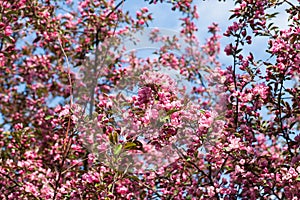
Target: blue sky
209 11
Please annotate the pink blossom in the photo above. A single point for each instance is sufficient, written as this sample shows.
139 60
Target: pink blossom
122 190
144 9
18 126
8 31
210 191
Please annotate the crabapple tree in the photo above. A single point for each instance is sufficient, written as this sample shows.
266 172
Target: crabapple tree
83 115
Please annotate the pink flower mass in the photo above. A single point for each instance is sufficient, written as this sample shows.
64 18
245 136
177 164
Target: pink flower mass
84 116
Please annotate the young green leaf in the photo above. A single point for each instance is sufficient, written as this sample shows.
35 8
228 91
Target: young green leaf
118 149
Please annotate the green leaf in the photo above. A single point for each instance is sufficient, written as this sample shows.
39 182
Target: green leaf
219 117
111 138
237 134
238 51
172 111
164 119
232 16
135 178
202 111
12 12
228 170
48 117
8 39
38 38
130 146
116 137
118 149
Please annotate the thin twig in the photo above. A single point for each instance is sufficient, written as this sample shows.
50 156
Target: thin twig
67 140
69 71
